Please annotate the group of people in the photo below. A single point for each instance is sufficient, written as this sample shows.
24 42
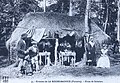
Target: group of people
28 51
27 56
86 46
91 55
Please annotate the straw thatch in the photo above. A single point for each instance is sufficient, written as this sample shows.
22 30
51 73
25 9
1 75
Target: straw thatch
52 22
55 22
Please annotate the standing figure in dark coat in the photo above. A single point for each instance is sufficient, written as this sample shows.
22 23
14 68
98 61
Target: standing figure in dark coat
21 48
80 50
90 48
28 41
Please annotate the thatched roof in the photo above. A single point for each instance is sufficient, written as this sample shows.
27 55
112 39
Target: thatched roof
52 22
57 22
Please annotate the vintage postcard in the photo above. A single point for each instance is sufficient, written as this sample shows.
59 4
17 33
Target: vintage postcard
59 41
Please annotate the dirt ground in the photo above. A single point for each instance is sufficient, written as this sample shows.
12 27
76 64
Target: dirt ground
65 74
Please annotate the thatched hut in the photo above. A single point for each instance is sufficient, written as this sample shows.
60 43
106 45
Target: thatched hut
53 22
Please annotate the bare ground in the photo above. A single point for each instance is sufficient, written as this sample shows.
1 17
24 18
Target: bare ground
66 73
85 74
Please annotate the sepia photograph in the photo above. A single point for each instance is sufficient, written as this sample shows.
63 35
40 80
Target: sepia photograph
59 41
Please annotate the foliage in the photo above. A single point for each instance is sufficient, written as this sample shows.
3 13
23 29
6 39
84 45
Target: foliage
100 9
12 12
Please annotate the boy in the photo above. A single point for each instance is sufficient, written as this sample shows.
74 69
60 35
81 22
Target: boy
32 59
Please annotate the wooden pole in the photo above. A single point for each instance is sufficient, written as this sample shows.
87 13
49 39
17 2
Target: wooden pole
56 46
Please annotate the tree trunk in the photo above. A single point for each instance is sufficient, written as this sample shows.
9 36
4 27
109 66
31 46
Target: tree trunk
87 29
13 22
118 25
70 9
62 8
87 16
106 18
44 5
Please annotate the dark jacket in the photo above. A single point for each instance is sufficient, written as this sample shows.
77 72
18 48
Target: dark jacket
21 47
91 53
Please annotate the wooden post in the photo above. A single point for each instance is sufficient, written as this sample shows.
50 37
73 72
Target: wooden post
40 61
56 46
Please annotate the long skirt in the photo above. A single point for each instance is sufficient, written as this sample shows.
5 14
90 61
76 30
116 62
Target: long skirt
103 62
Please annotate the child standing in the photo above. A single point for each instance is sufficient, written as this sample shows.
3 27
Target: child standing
103 61
31 60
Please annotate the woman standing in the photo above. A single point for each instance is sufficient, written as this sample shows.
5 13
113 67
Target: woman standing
104 61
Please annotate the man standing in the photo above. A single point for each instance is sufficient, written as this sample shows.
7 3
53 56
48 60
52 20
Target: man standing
21 47
90 48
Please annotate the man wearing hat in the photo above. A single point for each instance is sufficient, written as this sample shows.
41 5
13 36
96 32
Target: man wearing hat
21 47
32 56
91 48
